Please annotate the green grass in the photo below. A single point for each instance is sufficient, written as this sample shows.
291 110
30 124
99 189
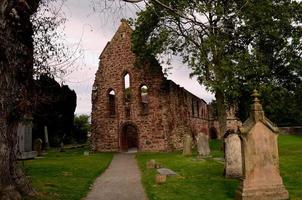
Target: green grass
204 179
290 151
65 175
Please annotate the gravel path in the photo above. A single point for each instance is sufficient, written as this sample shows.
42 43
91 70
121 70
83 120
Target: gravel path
121 181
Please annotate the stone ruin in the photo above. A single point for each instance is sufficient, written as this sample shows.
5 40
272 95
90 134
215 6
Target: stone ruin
136 106
261 176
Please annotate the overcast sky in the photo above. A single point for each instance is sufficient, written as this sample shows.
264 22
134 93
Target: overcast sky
94 30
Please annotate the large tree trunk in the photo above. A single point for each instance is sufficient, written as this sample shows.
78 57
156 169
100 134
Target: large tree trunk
221 110
16 66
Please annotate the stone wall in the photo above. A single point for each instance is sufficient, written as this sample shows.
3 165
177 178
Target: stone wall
170 111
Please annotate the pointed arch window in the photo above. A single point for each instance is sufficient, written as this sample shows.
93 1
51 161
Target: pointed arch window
111 99
144 99
127 93
127 87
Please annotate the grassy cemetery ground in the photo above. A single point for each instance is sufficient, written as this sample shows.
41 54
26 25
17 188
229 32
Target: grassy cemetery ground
65 175
204 179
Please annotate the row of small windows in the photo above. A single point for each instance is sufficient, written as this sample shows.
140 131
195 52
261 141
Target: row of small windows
127 93
196 109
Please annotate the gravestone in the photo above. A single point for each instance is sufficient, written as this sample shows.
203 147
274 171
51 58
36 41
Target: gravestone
166 172
260 159
24 133
159 178
187 148
38 146
151 164
203 148
46 138
233 158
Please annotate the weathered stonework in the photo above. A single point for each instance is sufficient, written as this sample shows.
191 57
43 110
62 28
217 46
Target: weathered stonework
260 159
124 119
233 157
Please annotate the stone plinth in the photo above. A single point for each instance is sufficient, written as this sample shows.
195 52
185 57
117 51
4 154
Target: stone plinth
261 176
233 157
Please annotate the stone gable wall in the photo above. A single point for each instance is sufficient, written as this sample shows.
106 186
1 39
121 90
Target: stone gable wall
169 114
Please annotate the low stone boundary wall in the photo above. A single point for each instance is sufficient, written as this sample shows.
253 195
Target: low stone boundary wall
294 130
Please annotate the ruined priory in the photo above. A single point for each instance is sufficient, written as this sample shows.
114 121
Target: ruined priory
133 107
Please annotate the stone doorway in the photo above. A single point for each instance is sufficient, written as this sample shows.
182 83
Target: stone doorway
213 133
129 138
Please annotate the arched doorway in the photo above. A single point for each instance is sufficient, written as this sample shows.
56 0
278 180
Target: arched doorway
129 137
213 133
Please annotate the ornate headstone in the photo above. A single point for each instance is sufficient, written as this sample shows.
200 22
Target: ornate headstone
261 176
24 132
203 148
187 148
233 158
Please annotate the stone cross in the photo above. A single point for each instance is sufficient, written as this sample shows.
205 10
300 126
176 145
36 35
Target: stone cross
261 176
202 141
233 158
187 148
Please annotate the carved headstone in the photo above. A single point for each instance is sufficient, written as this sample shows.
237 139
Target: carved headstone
203 148
233 158
261 176
187 148
24 132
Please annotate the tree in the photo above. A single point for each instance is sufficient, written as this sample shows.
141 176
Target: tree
81 128
16 84
16 61
55 109
232 46
200 32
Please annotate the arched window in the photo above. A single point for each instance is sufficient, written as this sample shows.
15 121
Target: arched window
111 97
127 87
144 99
195 108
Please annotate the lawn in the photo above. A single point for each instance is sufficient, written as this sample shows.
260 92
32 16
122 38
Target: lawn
204 179
65 175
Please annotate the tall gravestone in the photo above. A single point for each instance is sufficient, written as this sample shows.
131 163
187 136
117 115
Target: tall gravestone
187 148
261 176
46 138
24 132
233 157
203 148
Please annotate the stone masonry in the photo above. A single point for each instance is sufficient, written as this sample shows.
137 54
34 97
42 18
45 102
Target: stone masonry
126 118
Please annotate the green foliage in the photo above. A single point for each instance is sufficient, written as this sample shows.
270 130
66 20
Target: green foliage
232 46
81 128
204 179
55 109
65 175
